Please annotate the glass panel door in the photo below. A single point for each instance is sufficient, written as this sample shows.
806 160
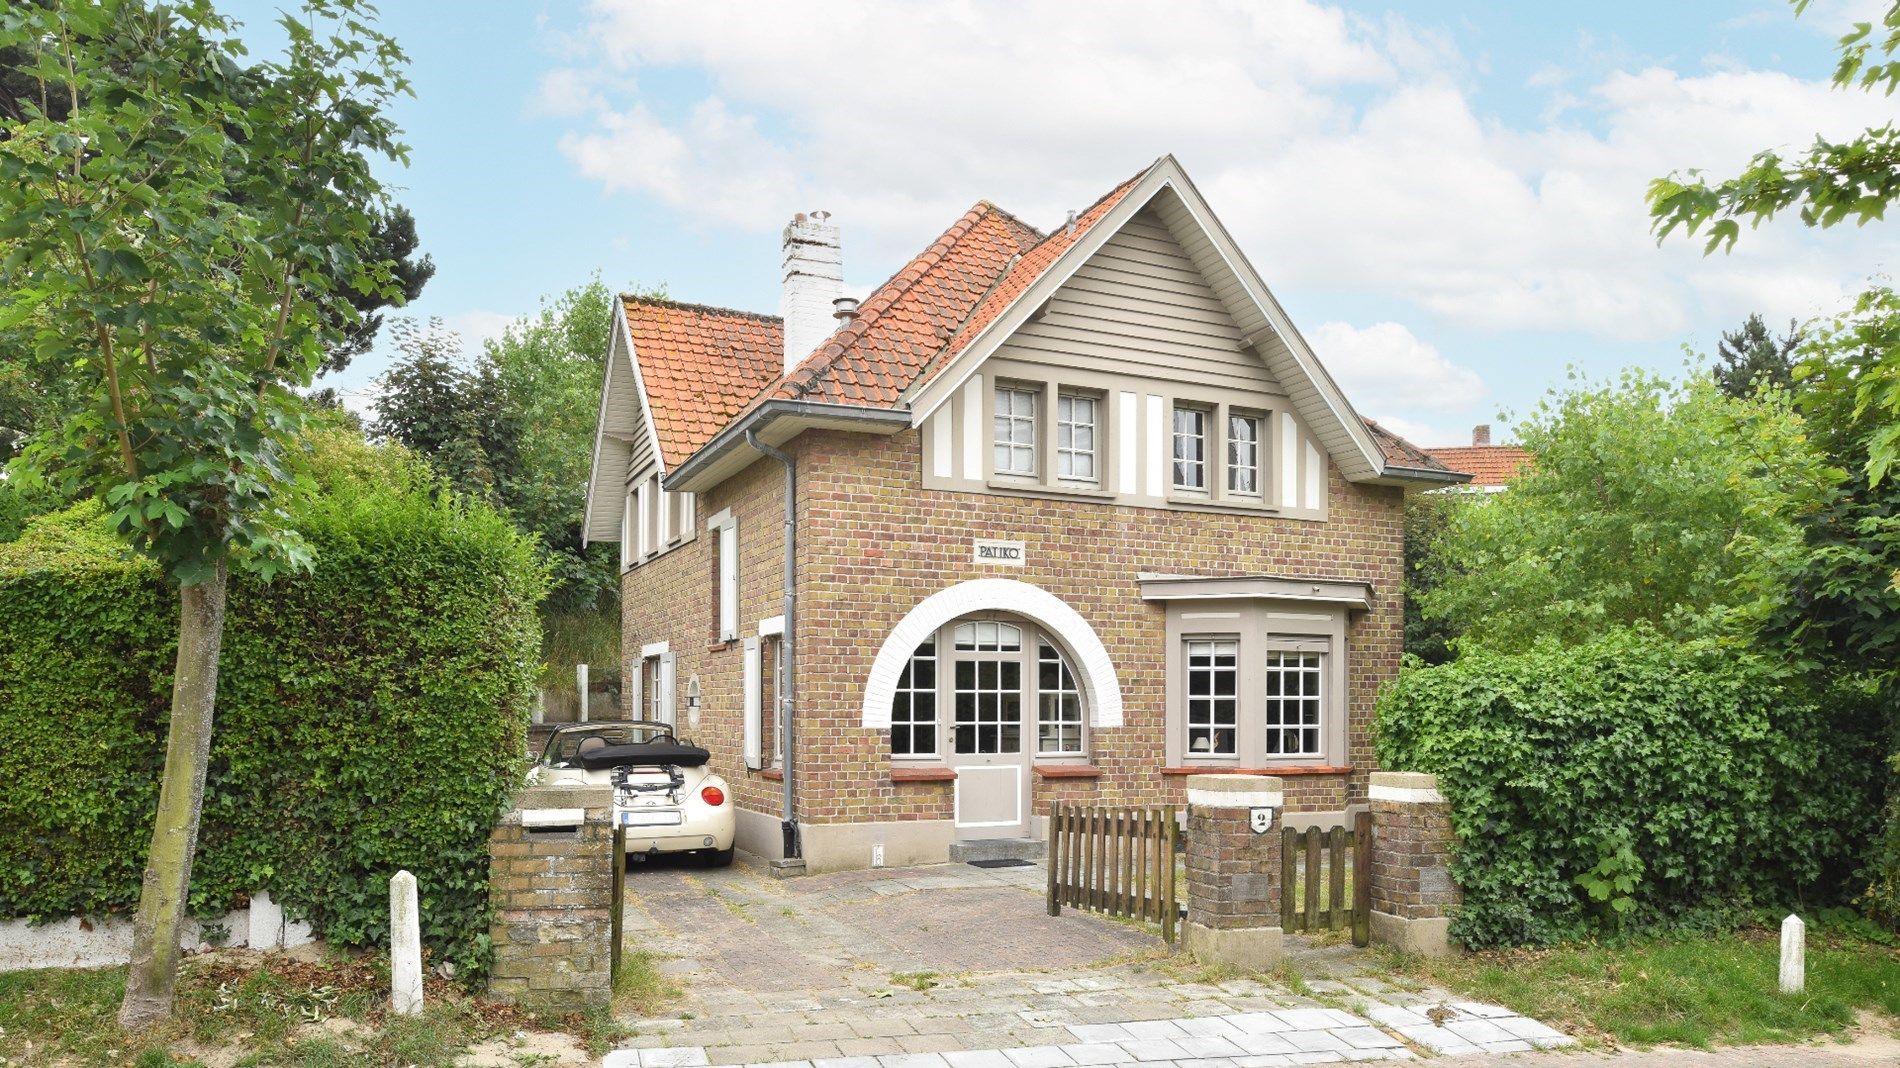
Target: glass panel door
988 698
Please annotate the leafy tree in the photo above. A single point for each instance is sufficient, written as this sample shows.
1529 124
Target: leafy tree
1426 516
393 241
1649 502
431 403
1753 357
1831 182
181 240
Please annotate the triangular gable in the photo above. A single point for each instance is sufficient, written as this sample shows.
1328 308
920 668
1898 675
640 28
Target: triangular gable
1264 324
622 429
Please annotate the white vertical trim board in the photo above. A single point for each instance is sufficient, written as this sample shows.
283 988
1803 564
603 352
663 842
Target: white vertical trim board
1159 443
666 519
943 455
1289 461
754 710
1127 444
626 532
642 496
668 691
973 428
729 581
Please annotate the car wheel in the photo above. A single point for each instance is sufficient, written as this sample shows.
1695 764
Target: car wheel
717 858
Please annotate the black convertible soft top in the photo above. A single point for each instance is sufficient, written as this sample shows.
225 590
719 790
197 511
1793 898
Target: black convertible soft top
657 751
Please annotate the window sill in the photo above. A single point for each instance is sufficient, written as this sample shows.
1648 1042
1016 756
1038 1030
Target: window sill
1043 489
772 774
1288 771
1209 504
923 774
720 645
1068 771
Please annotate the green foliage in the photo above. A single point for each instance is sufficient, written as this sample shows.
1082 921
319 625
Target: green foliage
1753 358
1634 778
1649 502
183 238
1426 517
371 714
1832 182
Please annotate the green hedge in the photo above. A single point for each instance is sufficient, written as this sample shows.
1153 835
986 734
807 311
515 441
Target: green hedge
371 715
1634 781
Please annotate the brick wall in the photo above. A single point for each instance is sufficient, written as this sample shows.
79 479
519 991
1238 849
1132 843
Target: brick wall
1232 873
552 893
1411 851
873 542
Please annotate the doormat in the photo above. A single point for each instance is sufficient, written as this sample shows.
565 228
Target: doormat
1007 862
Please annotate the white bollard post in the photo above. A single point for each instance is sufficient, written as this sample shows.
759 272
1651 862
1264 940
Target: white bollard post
1794 949
405 947
580 681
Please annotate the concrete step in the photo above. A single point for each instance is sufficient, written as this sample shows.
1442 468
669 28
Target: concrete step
998 849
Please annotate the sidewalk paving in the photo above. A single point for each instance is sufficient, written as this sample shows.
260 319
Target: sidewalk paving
952 966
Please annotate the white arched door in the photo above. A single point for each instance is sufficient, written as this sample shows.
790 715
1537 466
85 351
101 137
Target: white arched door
990 666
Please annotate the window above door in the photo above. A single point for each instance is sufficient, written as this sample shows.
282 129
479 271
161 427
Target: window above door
988 686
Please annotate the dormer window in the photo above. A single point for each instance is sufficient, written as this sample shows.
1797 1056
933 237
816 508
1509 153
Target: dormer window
1015 431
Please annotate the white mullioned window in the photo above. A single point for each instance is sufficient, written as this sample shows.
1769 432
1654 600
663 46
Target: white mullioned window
1058 704
1077 417
1243 454
1213 697
1015 431
1190 448
1294 682
914 708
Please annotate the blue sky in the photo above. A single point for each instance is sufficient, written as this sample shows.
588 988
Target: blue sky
1446 197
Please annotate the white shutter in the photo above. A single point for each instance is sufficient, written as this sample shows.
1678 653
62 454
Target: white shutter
729 580
666 519
646 502
626 533
636 689
754 708
667 690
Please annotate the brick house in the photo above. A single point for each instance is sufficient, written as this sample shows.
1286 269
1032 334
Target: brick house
1072 514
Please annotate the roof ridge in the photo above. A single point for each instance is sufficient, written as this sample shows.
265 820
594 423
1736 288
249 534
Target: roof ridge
834 346
686 305
1015 218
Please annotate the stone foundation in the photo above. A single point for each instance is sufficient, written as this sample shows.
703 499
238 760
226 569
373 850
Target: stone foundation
551 882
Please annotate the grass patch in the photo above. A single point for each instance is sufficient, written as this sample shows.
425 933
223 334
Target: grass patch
918 981
1689 990
258 1011
641 988
570 638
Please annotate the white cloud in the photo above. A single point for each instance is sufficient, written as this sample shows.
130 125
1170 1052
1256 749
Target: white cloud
1385 367
476 327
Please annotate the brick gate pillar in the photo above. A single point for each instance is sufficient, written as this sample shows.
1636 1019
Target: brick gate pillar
1233 864
550 879
1413 895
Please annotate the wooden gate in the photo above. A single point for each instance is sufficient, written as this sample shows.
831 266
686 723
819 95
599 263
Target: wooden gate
1317 893
1118 861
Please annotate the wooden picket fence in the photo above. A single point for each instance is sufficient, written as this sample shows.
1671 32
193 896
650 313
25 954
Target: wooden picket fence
1317 857
1118 861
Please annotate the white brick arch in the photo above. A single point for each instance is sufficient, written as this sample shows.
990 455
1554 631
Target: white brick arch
1101 690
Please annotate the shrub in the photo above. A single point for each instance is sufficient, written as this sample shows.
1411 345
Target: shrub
1635 781
371 715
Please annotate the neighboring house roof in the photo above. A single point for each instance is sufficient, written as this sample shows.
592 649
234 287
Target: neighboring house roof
706 371
1488 465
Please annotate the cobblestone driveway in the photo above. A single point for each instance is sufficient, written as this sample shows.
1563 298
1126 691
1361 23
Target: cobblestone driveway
952 966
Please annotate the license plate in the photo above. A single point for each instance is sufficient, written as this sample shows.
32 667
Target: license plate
650 819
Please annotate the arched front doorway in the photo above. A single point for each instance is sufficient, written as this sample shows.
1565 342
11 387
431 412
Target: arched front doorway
988 679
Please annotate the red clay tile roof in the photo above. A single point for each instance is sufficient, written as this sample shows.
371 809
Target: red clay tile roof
1488 465
700 366
705 367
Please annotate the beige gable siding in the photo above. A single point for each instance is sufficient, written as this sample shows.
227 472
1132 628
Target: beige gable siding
1139 328
1140 307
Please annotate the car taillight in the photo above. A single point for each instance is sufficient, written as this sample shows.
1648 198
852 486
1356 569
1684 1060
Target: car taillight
713 796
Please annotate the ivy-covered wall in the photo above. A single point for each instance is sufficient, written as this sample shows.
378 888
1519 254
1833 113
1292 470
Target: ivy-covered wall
1636 781
371 714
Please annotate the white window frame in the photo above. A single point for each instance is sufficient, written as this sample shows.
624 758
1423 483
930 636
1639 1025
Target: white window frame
907 693
1254 465
1313 735
658 702
1005 440
1178 462
1213 644
1067 686
1068 426
1031 638
628 515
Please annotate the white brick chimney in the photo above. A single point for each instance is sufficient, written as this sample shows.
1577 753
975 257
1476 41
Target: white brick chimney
814 278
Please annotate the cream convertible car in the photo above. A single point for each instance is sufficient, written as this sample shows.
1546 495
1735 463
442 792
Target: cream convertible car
664 795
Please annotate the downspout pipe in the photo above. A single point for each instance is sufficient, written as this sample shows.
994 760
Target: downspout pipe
788 823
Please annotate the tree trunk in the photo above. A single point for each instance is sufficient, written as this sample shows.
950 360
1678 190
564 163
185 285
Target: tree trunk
162 898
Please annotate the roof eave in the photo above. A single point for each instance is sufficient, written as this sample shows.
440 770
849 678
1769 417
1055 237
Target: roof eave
776 422
1394 474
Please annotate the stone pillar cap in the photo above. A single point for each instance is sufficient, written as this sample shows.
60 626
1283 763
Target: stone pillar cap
563 797
1405 780
1234 784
